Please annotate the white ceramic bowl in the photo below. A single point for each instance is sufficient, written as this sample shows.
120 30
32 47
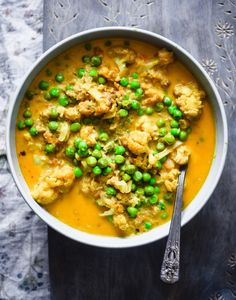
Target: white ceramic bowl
220 149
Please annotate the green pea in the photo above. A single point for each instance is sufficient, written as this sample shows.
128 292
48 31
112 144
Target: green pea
106 171
63 100
93 72
124 81
139 92
133 187
159 165
97 170
157 190
119 150
163 159
159 107
50 148
146 177
77 142
102 162
130 169
54 92
174 124
70 152
21 125
134 85
119 159
86 59
98 147
175 131
139 191
171 109
160 146
53 125
162 205
96 61
29 94
153 200
43 85
160 123
33 131
69 87
164 215
148 225
83 146
167 101
80 72
27 114
102 80
149 110
149 190
47 96
152 181
168 196
97 153
132 211
110 191
103 137
135 105
126 177
189 130
59 77
75 127
78 172
137 176
91 161
29 122
134 75
183 135
54 113
83 153
169 139
48 72
88 46
108 43
177 114
162 131
123 113
141 112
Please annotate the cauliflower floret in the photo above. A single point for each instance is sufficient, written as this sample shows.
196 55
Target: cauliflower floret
121 222
189 98
165 57
87 108
122 56
181 155
170 179
121 185
72 114
110 74
52 183
136 141
145 124
153 94
89 134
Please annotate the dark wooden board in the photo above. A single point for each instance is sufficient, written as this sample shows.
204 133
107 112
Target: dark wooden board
208 259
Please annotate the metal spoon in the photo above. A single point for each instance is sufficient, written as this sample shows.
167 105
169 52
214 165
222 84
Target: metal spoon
170 264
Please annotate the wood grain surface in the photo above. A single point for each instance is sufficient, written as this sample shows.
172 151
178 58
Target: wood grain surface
208 258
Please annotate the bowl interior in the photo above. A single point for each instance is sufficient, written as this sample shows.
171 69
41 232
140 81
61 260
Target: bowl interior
213 97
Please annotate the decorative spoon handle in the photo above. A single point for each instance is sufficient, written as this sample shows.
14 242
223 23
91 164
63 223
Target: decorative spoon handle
170 264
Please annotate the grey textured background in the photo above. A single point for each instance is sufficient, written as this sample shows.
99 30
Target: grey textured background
207 30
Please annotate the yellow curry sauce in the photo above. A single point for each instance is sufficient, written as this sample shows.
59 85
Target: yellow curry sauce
76 208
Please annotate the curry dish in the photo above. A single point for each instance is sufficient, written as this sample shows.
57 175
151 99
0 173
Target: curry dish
103 130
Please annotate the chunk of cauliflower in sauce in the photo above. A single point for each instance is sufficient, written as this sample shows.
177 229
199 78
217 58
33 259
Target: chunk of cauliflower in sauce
189 98
53 182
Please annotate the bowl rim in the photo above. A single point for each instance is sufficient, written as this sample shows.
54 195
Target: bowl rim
99 240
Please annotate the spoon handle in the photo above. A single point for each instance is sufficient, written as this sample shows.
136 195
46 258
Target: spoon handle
170 264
